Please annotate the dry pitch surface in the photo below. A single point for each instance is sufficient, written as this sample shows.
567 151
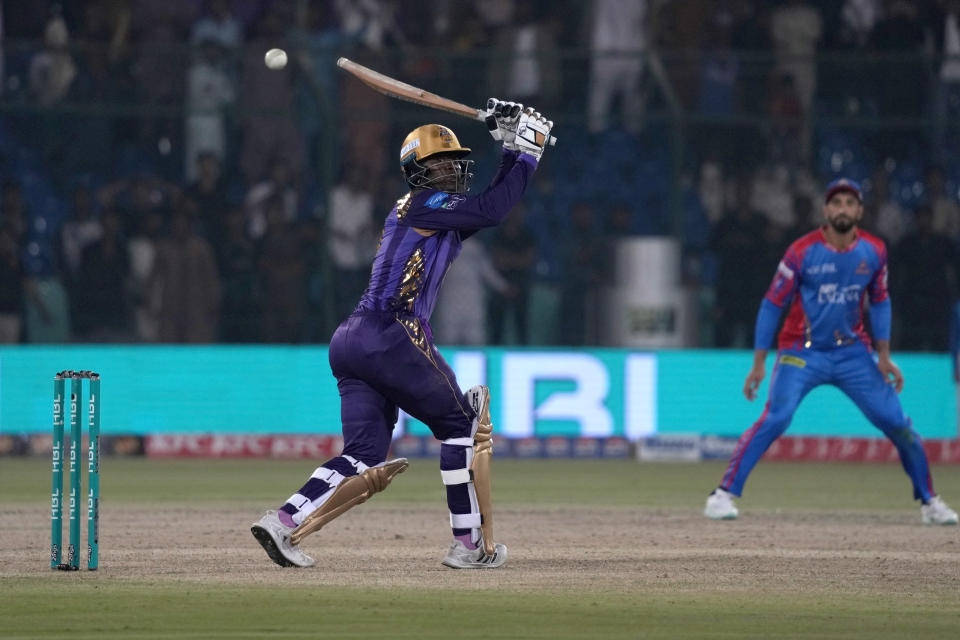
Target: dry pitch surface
600 549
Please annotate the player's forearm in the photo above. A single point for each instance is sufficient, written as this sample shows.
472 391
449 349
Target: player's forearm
507 159
496 202
759 356
882 347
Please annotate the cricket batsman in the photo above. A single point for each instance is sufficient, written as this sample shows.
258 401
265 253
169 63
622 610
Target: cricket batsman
383 354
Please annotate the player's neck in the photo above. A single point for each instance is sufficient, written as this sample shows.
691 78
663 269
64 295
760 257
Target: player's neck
837 240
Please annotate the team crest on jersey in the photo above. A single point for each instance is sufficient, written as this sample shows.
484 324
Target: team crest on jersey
452 202
862 268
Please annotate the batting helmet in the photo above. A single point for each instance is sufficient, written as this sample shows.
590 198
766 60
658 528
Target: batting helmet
428 141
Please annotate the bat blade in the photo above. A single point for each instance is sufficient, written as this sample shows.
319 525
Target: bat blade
402 91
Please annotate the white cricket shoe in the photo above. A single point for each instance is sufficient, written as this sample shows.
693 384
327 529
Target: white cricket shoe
459 557
274 537
720 506
937 512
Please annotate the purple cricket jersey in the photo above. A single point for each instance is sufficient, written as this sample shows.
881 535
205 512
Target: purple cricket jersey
409 266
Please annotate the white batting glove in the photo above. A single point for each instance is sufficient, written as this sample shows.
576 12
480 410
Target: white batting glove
533 132
502 118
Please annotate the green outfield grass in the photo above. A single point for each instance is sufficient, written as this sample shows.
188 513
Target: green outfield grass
141 611
554 482
76 607
557 482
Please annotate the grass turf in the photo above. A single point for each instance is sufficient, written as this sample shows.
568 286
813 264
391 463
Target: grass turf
93 606
38 608
776 485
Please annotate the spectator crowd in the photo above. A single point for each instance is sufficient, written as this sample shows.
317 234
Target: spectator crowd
160 184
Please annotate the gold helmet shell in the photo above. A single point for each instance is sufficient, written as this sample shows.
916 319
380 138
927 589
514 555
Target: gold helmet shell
428 140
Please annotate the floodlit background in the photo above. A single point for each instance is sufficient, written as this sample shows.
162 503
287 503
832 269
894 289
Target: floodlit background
193 225
161 185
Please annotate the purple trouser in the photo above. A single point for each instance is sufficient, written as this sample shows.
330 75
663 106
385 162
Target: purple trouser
381 363
384 362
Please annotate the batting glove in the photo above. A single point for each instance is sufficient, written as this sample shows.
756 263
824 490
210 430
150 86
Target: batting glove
533 133
502 118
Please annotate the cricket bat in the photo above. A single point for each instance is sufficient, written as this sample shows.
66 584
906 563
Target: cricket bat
402 91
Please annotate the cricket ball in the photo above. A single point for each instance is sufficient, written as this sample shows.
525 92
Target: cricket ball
275 59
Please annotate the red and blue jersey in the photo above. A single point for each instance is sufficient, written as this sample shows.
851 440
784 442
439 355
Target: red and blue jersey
825 291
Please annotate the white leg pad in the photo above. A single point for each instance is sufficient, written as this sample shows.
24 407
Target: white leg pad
456 476
471 520
465 520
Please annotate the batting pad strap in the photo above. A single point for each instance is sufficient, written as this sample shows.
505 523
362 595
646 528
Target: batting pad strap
359 466
459 442
331 476
456 476
465 520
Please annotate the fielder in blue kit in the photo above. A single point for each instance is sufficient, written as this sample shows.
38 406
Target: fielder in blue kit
383 354
824 281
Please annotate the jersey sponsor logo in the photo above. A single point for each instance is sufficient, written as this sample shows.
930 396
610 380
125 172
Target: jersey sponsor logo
793 361
436 200
827 267
444 200
835 294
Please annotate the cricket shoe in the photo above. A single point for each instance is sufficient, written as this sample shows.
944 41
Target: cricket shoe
274 537
459 557
937 512
720 506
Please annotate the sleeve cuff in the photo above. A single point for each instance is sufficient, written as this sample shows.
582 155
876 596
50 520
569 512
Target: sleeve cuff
529 159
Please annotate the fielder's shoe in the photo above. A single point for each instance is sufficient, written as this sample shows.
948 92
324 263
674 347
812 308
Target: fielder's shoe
937 512
459 557
274 537
720 506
